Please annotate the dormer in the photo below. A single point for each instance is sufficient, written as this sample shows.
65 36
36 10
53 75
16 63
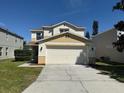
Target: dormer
37 35
63 27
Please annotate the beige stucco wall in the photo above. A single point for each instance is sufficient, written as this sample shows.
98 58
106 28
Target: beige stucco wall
41 60
103 46
42 50
41 53
66 39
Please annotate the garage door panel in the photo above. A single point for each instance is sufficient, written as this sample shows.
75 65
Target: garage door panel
65 47
65 55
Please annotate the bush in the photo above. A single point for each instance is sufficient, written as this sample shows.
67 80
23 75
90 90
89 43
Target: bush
105 58
23 55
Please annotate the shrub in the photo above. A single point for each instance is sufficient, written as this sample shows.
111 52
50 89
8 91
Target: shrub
105 58
23 55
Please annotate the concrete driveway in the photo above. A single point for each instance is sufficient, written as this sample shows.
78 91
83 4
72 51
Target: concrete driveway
73 79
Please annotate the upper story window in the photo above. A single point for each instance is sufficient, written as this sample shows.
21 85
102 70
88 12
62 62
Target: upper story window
0 51
7 36
16 40
64 30
39 35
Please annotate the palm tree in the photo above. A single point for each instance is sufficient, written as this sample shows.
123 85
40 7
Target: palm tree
95 27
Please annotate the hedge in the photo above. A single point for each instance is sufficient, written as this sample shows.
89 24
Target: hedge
23 55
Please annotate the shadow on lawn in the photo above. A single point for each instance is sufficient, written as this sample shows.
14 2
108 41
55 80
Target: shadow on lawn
114 70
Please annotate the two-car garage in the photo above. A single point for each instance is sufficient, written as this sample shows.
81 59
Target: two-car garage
66 55
64 49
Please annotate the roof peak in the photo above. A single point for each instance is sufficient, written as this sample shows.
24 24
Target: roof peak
60 23
12 33
64 22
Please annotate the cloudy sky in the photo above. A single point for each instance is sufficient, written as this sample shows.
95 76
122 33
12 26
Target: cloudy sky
20 16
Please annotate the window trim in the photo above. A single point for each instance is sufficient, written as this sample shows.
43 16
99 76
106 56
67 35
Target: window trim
16 40
39 35
7 51
1 51
7 36
63 30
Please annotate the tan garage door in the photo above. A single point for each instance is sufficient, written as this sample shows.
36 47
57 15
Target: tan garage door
66 55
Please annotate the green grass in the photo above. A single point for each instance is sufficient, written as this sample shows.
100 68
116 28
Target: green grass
14 79
114 70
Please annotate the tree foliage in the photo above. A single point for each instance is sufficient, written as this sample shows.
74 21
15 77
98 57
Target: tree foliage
119 6
95 27
87 35
119 44
119 26
23 55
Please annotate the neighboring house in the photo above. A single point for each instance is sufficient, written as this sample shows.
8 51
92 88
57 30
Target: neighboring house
61 43
104 48
8 43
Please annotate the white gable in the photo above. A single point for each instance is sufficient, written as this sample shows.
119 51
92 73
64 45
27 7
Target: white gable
62 26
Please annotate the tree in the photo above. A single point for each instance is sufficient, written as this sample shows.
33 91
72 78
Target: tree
119 44
87 35
119 6
95 27
24 43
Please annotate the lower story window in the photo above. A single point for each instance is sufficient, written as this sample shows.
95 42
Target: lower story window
6 51
0 51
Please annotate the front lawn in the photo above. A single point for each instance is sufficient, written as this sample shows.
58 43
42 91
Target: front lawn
14 79
114 70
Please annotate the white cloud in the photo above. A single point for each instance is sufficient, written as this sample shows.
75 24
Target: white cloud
2 24
75 7
69 13
76 3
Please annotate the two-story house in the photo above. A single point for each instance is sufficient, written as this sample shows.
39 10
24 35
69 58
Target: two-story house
106 49
8 43
61 43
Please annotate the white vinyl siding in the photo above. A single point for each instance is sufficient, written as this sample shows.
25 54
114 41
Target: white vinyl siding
9 43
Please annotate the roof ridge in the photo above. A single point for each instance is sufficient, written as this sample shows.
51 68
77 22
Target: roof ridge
12 33
63 34
62 22
103 32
